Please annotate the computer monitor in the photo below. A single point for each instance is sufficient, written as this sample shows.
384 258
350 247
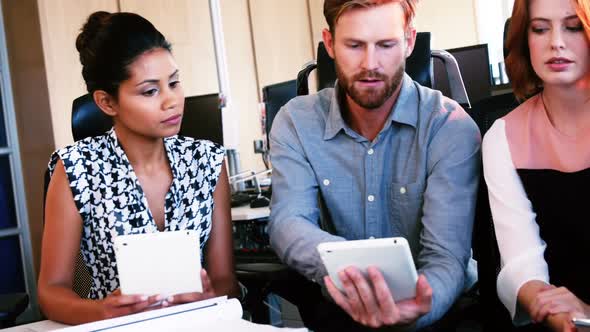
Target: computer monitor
276 96
202 118
474 65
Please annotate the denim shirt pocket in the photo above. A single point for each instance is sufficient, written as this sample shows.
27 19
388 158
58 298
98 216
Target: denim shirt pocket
407 200
337 193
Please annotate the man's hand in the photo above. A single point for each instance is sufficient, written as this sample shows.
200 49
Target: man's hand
370 302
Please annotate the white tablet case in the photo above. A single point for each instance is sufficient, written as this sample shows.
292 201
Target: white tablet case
165 263
391 255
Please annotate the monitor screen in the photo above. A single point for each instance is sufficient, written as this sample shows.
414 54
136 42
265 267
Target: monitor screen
474 65
202 118
276 96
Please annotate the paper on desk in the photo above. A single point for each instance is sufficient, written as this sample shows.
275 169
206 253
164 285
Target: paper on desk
219 314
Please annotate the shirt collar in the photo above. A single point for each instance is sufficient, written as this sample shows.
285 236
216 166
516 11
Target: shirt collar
115 146
405 109
120 153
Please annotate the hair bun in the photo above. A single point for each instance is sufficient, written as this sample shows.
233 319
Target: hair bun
85 40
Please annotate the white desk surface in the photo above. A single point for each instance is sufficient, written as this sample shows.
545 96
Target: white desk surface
247 213
240 325
219 314
42 326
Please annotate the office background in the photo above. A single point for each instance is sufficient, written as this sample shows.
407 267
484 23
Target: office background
267 41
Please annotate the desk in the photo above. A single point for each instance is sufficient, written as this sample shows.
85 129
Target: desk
250 237
247 213
219 314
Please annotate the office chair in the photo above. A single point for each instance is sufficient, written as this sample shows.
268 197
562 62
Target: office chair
494 315
418 67
87 121
485 246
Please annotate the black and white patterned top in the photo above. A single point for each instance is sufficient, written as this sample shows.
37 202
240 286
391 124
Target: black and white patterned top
111 202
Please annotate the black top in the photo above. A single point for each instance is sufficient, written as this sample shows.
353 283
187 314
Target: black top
559 199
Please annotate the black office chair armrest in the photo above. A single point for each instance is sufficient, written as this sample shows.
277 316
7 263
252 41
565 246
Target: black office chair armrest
456 85
302 82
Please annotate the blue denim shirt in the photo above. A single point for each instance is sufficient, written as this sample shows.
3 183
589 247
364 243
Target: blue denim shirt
417 179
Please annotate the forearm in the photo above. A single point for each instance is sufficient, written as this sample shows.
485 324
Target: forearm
226 286
60 304
295 241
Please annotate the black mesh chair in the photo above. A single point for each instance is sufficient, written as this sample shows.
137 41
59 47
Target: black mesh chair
87 121
494 315
418 67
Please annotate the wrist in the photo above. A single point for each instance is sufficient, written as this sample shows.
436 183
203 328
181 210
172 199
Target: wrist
403 327
97 310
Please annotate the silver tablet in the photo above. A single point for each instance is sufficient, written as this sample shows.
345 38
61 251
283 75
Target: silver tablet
165 263
582 324
392 256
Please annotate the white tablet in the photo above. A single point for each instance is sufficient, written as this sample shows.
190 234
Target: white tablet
165 263
392 256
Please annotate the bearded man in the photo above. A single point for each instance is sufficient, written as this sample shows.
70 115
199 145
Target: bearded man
378 156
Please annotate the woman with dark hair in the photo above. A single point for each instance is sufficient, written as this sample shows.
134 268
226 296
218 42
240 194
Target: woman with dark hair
137 178
537 166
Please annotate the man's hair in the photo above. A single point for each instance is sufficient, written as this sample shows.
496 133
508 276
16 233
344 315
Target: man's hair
333 9
525 81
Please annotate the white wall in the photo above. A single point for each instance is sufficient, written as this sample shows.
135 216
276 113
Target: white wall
452 22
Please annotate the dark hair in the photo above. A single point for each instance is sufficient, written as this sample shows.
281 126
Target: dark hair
109 43
333 9
525 81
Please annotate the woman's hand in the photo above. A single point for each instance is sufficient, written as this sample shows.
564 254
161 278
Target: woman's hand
117 304
208 292
559 300
560 323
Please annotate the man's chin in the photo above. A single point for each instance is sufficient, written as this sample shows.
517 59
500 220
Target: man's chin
369 101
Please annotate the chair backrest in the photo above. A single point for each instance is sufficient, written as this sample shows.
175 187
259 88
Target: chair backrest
485 244
202 118
87 119
418 66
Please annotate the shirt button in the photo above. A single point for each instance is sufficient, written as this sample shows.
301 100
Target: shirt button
326 182
371 151
402 190
371 198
